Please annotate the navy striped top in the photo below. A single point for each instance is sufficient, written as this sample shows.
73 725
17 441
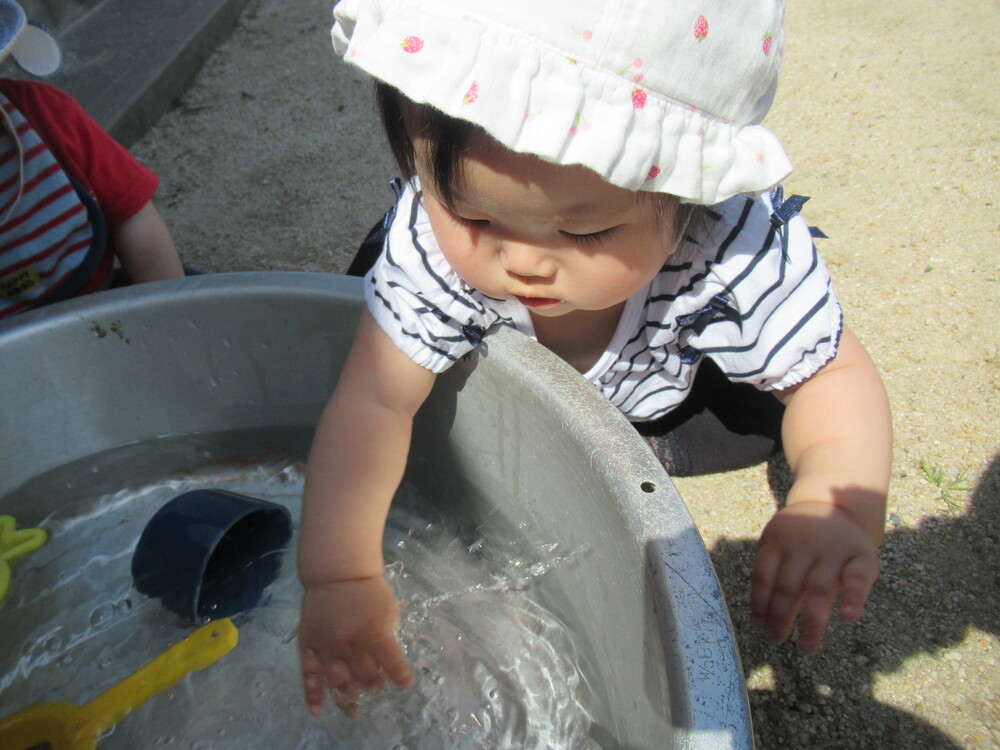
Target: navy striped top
766 316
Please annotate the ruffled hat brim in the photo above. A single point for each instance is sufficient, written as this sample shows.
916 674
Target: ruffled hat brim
566 99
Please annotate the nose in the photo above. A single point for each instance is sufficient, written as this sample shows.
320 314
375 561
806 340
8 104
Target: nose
526 261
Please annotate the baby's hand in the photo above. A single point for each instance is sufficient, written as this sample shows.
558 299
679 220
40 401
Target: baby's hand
809 553
347 641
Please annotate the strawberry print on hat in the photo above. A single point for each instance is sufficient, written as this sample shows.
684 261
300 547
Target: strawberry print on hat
700 28
579 123
472 94
412 44
625 91
632 70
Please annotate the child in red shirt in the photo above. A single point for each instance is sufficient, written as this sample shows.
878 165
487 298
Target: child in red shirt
71 198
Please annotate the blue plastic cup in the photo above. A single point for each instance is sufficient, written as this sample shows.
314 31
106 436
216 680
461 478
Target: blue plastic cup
211 553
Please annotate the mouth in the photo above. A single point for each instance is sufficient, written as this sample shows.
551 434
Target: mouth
538 303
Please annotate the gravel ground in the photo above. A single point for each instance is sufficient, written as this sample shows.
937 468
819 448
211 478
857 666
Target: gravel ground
273 160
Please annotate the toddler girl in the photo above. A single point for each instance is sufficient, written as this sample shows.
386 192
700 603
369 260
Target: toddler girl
593 174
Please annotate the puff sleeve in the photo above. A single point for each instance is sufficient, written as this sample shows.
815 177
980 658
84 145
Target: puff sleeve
418 299
773 319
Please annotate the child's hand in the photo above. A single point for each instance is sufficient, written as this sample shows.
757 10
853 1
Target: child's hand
347 641
809 553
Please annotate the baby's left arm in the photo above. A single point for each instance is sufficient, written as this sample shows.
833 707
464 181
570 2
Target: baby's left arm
837 436
145 247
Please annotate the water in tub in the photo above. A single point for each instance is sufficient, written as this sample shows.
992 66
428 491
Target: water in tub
494 668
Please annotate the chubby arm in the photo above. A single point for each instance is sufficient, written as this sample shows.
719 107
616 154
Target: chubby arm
145 248
347 633
837 435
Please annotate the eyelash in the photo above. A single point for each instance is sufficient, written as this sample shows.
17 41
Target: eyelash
594 238
469 222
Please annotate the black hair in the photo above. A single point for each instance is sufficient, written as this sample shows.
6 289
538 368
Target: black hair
447 137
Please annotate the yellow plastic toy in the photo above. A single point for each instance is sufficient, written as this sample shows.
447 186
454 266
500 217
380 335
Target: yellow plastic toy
67 726
15 544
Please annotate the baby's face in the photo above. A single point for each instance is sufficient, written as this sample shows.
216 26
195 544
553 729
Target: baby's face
555 238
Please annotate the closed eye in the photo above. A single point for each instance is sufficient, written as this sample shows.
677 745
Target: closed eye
476 223
592 238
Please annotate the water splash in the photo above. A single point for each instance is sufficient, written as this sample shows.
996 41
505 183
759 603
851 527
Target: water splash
494 668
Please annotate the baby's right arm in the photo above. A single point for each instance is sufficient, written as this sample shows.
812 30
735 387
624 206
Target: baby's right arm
347 634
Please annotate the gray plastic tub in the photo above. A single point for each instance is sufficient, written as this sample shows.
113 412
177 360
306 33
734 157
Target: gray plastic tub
523 440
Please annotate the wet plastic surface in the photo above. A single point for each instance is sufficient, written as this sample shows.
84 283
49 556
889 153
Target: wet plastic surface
511 439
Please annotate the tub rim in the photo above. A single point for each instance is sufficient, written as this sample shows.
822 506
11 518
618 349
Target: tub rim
709 707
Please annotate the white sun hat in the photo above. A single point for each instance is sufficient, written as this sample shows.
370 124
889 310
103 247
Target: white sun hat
33 47
658 95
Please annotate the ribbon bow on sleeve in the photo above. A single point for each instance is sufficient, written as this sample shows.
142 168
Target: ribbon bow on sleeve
783 212
718 308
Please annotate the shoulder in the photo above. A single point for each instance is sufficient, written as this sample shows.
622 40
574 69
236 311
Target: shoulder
411 250
773 317
743 247
418 299
721 244
57 117
725 232
37 99
118 181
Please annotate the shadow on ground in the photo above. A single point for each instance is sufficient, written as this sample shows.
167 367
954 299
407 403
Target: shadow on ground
938 580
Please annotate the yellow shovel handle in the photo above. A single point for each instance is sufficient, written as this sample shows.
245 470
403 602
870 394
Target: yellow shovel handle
200 649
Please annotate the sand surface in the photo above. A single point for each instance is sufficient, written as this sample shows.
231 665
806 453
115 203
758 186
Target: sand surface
273 160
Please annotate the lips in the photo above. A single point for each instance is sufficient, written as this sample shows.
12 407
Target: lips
538 303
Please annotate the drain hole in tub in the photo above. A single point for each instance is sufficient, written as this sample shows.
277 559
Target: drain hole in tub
648 486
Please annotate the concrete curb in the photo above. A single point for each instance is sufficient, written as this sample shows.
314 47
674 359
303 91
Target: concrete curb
127 61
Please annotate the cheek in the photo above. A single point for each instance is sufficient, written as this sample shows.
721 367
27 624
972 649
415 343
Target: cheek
634 263
611 281
656 247
463 262
458 245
